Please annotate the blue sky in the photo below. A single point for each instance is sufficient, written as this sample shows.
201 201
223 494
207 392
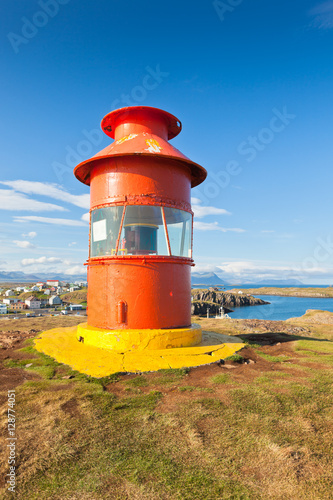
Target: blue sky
252 84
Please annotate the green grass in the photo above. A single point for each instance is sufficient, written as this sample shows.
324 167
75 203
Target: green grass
170 376
273 377
235 358
191 388
140 381
314 345
273 359
251 343
223 378
316 351
43 371
267 438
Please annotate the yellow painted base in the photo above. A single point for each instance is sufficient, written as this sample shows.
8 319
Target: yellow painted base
124 340
61 344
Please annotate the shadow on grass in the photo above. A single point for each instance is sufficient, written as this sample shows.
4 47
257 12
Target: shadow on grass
273 338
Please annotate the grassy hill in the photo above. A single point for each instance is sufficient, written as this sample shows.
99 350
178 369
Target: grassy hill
77 297
258 427
39 295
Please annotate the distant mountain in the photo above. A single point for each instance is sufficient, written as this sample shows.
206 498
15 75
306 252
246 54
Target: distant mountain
17 276
206 279
291 282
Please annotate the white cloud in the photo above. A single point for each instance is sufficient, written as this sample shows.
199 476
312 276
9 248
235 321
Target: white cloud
72 244
202 211
240 267
24 244
31 235
51 190
214 226
49 220
41 260
322 15
75 270
205 268
10 200
248 270
86 217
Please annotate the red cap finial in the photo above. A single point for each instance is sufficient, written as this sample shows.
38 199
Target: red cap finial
140 119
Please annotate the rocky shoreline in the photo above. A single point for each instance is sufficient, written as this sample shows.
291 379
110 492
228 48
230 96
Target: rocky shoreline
204 299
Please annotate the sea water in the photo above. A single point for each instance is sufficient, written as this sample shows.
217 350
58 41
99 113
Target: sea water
280 308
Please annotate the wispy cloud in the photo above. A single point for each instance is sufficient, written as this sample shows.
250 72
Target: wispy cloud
41 260
251 270
51 190
49 220
86 217
322 15
214 226
53 264
75 270
31 235
202 211
10 200
23 244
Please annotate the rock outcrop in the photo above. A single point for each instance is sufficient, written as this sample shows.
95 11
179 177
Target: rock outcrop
204 299
200 308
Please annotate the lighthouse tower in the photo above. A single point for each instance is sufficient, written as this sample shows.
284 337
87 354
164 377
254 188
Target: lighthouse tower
140 255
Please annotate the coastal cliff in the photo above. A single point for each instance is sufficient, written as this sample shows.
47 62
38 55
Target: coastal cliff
204 299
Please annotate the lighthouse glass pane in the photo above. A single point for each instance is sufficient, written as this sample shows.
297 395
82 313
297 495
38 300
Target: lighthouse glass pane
179 224
105 225
143 232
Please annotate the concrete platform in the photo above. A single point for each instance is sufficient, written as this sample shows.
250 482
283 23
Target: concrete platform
62 344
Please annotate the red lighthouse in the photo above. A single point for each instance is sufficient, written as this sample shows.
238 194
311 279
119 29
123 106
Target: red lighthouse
140 255
139 266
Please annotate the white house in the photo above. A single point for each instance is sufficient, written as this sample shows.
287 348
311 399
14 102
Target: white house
32 302
3 308
40 284
55 300
75 307
74 288
8 293
34 288
10 301
53 283
47 291
19 288
81 283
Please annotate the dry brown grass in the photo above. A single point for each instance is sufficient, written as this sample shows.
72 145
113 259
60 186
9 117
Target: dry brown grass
288 292
243 431
76 297
39 323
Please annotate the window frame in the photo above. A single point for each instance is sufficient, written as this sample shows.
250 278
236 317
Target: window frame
116 253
